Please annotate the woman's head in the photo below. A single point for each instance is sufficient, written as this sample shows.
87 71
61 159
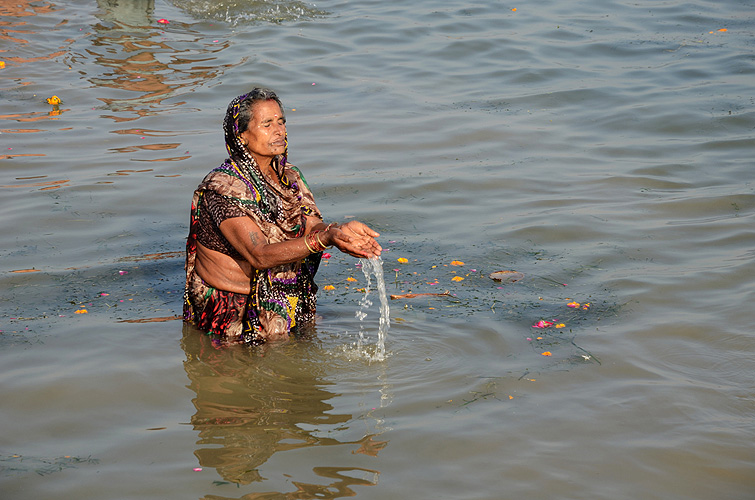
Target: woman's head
241 113
247 103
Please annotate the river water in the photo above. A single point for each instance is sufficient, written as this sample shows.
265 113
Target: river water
602 149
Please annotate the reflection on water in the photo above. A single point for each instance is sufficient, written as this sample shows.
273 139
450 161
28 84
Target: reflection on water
132 12
252 404
17 31
146 61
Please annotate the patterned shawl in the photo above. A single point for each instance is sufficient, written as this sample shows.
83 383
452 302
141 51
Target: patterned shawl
283 295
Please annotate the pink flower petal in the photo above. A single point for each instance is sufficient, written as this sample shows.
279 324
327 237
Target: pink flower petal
542 324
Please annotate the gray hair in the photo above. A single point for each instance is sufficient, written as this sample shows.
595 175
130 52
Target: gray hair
247 102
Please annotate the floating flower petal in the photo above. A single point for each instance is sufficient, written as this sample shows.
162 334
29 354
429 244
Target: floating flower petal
328 287
457 263
457 278
403 260
542 324
546 353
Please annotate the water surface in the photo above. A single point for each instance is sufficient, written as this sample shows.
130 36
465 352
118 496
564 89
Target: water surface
604 151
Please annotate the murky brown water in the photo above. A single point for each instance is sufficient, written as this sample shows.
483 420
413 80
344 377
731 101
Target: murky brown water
603 151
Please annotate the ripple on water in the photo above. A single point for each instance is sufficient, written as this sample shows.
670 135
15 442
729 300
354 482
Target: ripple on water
251 11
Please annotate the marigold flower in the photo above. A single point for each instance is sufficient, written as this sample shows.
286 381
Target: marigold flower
402 260
457 278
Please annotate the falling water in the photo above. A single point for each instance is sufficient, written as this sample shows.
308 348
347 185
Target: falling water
374 267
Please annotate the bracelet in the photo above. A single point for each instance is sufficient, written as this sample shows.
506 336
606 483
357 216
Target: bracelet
320 241
306 243
313 242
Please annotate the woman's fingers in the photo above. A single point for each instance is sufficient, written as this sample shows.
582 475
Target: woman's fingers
358 247
356 239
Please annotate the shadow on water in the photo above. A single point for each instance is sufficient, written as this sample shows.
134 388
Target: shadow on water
549 306
133 289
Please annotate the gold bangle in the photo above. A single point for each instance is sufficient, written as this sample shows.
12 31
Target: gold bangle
313 241
316 243
306 243
320 242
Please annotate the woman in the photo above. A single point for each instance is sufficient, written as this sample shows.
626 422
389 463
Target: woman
256 235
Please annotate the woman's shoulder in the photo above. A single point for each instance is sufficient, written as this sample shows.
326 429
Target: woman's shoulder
294 173
224 181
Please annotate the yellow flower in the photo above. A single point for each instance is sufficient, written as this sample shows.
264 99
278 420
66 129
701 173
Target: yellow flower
350 279
402 260
328 287
82 311
547 353
560 325
54 100
457 278
457 263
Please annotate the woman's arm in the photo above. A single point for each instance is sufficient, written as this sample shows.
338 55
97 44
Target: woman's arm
353 238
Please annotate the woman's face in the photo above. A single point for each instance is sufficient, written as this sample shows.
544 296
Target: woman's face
266 134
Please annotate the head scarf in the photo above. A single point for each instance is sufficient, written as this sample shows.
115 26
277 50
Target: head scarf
244 163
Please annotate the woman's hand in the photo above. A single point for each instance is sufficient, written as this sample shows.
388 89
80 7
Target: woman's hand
355 239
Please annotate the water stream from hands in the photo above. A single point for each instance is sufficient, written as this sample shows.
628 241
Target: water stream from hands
373 267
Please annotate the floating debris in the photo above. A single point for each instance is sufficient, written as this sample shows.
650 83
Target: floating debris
507 276
415 295
151 320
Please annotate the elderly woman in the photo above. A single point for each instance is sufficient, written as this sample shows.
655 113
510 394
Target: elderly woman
256 235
